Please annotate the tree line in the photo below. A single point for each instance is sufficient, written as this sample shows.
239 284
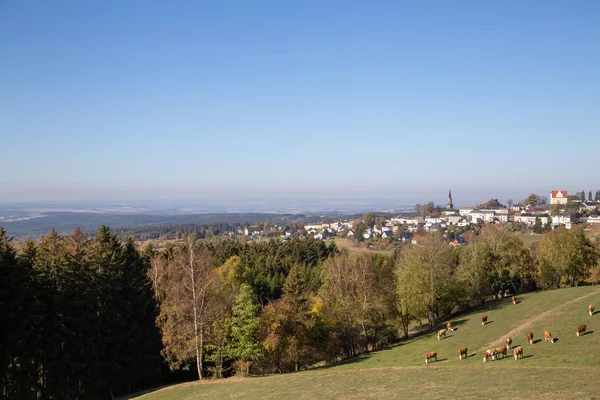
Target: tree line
93 317
77 316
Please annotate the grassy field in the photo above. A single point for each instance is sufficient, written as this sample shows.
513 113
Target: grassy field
566 369
350 245
530 238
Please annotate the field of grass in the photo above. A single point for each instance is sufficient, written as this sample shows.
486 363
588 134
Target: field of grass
566 369
350 245
530 238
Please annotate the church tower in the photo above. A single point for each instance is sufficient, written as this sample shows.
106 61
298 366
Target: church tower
449 206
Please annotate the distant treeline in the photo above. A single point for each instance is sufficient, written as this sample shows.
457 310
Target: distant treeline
64 222
92 317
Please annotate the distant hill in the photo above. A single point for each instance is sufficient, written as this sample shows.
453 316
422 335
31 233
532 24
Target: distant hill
490 204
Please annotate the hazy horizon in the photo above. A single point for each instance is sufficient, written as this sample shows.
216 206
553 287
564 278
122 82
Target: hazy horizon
243 101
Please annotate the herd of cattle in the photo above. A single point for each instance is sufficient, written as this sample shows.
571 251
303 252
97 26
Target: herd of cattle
494 354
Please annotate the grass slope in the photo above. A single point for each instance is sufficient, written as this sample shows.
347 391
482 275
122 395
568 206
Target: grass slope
566 369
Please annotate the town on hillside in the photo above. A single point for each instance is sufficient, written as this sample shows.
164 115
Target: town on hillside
535 214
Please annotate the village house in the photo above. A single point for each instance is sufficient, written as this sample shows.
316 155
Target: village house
413 228
477 216
594 220
405 236
563 219
405 221
252 231
309 228
558 197
465 210
433 220
530 218
590 205
454 219
501 218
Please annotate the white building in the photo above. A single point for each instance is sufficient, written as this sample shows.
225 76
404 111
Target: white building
454 219
563 219
484 216
433 220
465 211
530 218
594 220
309 228
501 217
558 197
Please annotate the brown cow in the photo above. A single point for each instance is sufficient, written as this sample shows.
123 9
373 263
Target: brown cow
449 326
548 337
518 353
581 330
591 309
507 292
514 300
501 350
441 334
490 354
508 343
462 353
530 337
500 293
483 320
431 355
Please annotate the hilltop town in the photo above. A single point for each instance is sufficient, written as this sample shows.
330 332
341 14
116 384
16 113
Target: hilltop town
535 214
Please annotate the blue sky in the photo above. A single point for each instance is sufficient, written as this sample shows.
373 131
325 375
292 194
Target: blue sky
186 100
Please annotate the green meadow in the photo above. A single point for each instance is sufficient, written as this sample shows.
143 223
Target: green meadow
566 369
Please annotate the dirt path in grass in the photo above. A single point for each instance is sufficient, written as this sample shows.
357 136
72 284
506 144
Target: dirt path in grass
530 321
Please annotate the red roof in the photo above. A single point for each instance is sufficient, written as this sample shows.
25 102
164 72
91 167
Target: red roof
555 192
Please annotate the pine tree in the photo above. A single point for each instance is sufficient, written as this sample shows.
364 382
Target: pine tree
17 379
590 195
244 324
537 227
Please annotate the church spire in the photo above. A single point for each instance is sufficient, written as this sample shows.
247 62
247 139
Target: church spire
449 206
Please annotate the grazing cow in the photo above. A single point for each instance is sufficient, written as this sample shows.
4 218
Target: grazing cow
514 300
581 330
501 350
507 292
483 320
441 334
449 326
490 354
462 353
432 355
499 293
548 337
518 352
508 343
591 309
530 337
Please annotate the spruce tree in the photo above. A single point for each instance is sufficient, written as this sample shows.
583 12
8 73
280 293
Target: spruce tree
17 379
244 324
538 227
590 195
